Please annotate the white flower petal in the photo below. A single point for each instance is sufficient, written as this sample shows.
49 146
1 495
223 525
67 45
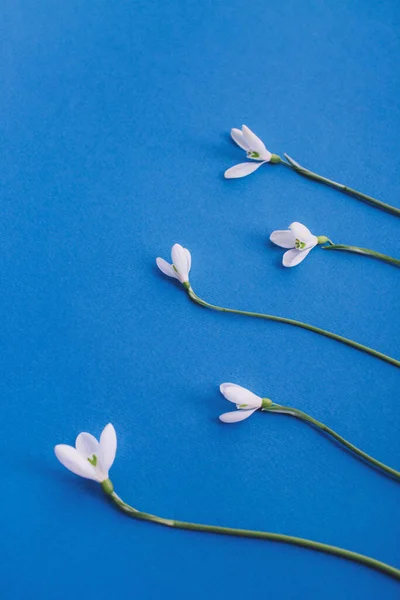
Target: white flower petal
283 238
179 257
108 447
242 169
238 137
301 232
291 258
188 259
87 445
166 268
236 416
240 395
73 461
252 140
180 260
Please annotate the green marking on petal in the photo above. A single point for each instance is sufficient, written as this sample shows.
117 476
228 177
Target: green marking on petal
93 460
243 406
174 268
300 245
253 154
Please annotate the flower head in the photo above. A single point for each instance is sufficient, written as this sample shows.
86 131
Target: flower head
90 459
246 402
181 263
299 239
255 151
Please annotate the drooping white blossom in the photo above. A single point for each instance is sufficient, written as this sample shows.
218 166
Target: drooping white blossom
181 263
246 402
255 151
299 239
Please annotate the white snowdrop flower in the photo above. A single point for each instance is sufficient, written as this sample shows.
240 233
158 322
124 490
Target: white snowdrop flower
90 458
299 239
255 151
181 263
246 402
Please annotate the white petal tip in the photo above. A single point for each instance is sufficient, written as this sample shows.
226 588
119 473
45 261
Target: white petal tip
242 170
225 418
294 257
236 416
110 428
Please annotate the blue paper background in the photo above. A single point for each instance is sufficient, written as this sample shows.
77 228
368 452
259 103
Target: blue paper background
114 137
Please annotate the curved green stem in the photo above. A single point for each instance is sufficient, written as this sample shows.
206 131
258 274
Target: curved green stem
365 252
339 186
260 535
308 419
333 336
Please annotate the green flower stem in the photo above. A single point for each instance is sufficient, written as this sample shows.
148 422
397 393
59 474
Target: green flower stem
305 417
339 186
365 252
248 533
328 334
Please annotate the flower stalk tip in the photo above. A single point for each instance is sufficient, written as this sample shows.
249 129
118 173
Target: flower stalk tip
275 159
107 487
266 403
322 239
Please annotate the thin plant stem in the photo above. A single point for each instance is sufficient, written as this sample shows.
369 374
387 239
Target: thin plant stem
308 419
339 186
329 334
252 534
365 252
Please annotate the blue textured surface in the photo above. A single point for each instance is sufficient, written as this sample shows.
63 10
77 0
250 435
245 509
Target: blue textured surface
114 120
